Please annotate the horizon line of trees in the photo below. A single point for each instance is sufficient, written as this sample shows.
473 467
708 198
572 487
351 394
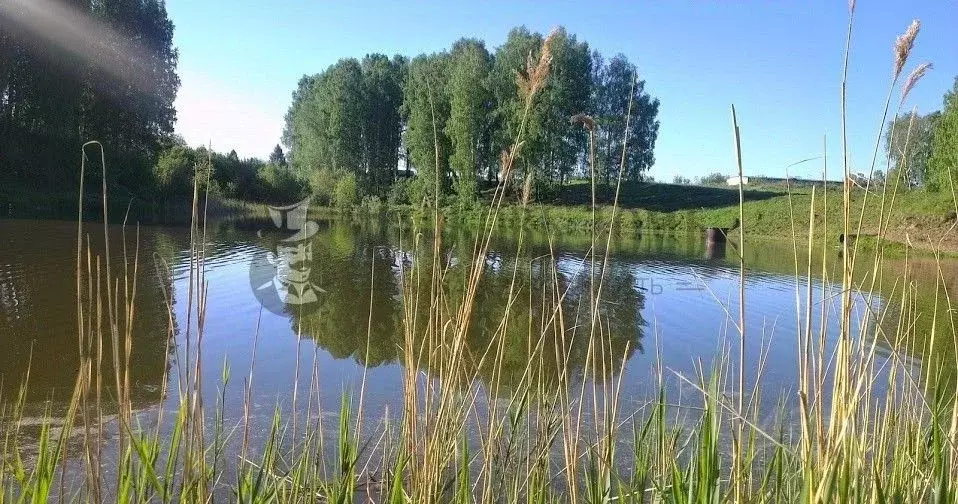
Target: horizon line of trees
380 127
229 176
390 128
118 87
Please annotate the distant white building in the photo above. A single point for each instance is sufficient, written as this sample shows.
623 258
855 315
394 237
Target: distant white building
733 181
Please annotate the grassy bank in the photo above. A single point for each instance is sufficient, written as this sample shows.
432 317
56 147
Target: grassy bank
19 201
923 219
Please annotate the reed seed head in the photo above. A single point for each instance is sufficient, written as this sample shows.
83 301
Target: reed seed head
904 44
527 190
585 120
506 161
534 78
913 79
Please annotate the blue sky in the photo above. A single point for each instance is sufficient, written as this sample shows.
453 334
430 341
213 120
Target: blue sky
778 62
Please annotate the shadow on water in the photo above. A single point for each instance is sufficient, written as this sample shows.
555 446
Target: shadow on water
38 317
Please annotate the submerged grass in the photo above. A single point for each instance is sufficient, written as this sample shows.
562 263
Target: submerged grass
557 438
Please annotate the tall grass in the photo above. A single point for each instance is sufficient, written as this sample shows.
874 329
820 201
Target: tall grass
549 436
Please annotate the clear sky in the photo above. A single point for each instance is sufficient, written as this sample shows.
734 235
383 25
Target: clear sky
778 62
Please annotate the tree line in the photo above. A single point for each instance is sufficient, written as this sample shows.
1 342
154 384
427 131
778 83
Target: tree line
394 129
115 83
923 148
402 128
224 175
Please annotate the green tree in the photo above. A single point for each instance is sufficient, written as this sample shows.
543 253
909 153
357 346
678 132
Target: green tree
610 107
878 178
344 109
121 92
326 120
383 87
520 47
914 157
299 128
278 184
468 127
714 178
129 102
238 178
346 120
459 110
277 157
943 164
322 183
426 107
174 171
567 92
346 192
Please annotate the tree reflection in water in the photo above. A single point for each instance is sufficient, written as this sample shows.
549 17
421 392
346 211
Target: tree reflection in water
360 314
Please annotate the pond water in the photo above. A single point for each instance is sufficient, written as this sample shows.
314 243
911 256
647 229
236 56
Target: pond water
665 299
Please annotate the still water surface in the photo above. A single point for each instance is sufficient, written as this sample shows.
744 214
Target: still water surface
666 297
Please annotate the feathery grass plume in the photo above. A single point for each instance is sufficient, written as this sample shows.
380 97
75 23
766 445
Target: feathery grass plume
585 120
506 161
851 6
527 190
534 78
903 45
913 79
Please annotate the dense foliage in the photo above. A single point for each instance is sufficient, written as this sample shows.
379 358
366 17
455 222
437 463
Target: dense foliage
923 149
108 74
390 129
443 119
227 175
908 143
944 145
345 122
112 78
715 178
